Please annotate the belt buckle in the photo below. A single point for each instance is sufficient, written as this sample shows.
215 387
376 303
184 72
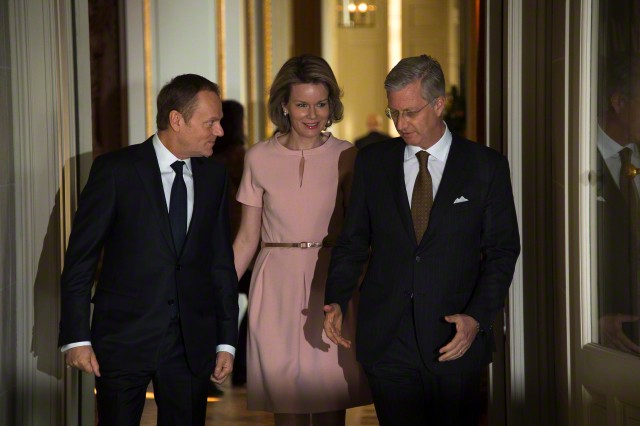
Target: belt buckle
304 245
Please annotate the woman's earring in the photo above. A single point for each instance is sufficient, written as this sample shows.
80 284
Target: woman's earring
285 112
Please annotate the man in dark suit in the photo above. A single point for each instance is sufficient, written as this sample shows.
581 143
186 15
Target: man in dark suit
434 216
374 135
166 301
618 205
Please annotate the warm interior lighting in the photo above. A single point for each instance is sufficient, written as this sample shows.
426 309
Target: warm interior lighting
149 395
209 399
351 14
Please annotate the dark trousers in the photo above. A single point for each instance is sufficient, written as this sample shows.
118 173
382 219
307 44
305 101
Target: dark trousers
239 376
180 396
405 392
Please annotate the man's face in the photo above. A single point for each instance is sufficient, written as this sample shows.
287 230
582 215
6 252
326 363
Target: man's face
197 137
418 121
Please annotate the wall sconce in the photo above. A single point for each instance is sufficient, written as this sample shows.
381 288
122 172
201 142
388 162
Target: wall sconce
354 13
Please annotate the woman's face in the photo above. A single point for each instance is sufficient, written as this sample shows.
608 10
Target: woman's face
308 109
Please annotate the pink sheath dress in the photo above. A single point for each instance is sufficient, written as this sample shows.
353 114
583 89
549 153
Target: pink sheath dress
292 367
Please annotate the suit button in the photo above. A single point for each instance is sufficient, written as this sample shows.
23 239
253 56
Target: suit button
178 267
171 302
417 259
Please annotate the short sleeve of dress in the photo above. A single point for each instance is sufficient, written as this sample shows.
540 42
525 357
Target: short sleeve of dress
250 191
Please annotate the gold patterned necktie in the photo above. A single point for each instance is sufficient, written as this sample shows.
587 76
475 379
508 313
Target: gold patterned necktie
422 197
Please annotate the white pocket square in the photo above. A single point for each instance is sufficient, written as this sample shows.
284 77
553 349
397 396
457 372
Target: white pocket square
601 199
460 200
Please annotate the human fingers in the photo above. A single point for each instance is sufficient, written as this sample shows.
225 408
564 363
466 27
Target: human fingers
95 366
80 358
333 331
623 342
224 367
466 330
333 325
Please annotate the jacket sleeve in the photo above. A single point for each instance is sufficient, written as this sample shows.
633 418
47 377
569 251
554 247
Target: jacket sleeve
500 245
91 224
225 280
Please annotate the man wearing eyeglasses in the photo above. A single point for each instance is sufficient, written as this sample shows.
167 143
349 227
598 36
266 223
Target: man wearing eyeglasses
434 216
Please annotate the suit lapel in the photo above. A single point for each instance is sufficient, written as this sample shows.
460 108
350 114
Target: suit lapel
149 171
453 177
398 188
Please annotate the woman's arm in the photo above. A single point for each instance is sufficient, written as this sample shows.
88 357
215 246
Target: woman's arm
246 242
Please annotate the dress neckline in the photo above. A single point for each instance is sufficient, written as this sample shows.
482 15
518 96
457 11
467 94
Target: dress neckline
299 152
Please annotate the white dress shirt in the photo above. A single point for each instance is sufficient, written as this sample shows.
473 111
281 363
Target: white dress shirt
167 174
438 154
610 151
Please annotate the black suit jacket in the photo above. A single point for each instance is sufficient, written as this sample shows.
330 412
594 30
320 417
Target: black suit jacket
369 138
464 263
618 286
123 210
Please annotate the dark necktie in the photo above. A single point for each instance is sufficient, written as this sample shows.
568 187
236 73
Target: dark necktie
422 197
178 207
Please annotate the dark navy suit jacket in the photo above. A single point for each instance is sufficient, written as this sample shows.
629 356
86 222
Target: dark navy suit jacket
464 263
123 210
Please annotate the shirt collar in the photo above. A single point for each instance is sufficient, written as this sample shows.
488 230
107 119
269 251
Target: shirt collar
165 157
439 150
609 148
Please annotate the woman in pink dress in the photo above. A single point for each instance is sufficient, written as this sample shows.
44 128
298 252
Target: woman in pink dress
293 193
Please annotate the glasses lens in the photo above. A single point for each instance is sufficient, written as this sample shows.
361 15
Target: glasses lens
392 114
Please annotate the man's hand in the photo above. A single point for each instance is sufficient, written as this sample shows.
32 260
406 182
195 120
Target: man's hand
224 367
466 331
333 325
612 335
83 358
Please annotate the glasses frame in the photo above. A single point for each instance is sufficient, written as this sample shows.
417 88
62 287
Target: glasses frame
409 114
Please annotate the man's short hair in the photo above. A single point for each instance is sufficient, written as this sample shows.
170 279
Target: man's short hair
423 68
621 75
180 94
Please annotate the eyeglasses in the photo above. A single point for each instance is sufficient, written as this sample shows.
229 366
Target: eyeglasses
394 114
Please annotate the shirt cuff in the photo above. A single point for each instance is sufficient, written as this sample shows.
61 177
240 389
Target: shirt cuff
226 348
74 345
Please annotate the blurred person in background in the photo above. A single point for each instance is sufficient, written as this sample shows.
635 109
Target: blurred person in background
374 124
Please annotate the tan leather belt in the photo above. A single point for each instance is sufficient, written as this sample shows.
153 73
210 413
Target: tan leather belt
303 245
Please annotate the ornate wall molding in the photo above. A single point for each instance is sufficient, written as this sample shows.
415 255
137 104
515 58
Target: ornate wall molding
148 68
267 54
221 42
252 74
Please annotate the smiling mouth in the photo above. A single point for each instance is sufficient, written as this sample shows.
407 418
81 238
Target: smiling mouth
312 125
